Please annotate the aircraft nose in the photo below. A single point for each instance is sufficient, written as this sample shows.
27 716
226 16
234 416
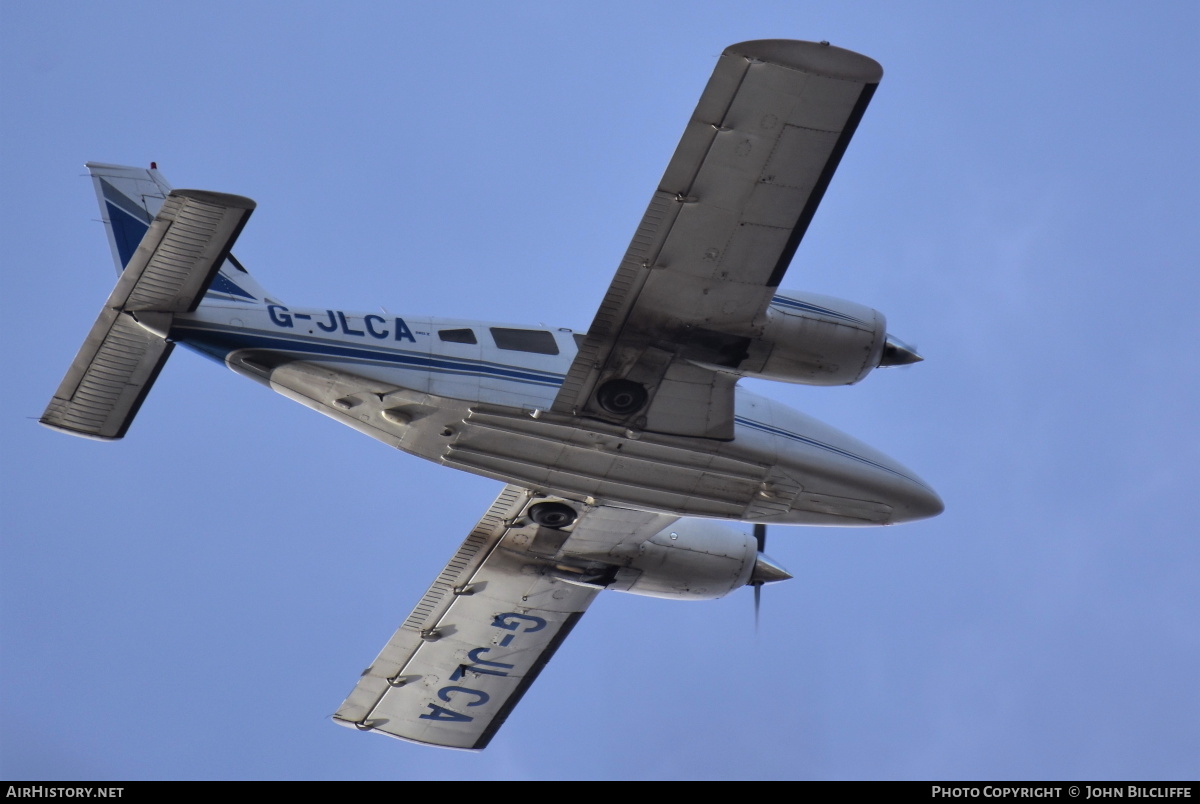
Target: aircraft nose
913 501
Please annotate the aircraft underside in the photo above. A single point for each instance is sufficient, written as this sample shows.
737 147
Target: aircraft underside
780 467
621 447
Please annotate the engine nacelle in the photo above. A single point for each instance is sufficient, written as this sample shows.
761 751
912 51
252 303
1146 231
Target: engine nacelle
694 559
817 340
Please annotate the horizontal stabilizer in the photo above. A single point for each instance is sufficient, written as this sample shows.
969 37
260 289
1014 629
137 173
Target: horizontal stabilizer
169 273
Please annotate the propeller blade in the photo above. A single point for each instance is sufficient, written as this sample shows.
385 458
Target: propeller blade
757 604
760 536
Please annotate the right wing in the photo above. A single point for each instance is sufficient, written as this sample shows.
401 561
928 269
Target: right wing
721 229
491 621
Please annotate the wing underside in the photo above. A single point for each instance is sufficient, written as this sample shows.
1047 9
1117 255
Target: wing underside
488 625
719 233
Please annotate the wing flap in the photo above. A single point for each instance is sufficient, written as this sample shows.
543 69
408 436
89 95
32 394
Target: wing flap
693 400
126 348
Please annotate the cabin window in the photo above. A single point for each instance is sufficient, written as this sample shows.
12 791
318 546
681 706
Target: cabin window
525 340
457 335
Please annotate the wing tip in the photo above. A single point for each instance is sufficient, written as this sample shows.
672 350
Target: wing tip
218 199
820 58
49 423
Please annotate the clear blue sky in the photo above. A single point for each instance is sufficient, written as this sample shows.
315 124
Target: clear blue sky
1021 200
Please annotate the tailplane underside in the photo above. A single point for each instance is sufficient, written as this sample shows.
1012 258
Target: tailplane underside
168 273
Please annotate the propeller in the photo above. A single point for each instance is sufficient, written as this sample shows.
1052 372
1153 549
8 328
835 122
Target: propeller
765 570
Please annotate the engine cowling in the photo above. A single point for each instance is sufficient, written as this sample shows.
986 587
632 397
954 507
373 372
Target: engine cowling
817 340
694 559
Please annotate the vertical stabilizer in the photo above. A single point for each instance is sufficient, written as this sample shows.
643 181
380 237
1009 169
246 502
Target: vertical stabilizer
129 198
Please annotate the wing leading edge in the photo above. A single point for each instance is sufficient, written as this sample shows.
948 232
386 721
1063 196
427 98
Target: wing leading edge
720 231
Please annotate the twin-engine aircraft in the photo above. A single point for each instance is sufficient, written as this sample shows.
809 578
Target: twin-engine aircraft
621 448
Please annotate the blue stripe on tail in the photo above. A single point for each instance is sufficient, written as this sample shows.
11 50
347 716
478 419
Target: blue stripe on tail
127 230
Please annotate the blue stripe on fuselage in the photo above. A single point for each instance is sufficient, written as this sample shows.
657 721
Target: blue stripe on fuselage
766 428
217 342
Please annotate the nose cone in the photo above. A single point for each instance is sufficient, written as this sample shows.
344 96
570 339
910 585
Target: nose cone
844 481
902 490
902 494
912 500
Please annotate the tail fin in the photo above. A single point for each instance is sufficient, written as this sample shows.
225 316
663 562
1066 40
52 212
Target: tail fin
129 198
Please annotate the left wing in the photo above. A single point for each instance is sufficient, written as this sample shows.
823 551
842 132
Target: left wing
488 625
720 231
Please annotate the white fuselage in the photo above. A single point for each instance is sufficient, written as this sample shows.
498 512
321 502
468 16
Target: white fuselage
476 396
